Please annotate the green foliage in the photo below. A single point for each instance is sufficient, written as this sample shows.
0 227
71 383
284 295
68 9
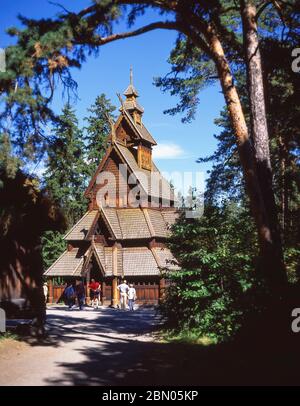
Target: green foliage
225 181
191 71
9 163
209 295
291 256
53 245
66 169
97 130
7 336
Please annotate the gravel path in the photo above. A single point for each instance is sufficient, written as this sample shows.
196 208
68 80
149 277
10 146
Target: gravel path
115 347
90 347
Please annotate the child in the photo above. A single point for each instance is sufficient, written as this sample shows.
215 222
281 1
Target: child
131 296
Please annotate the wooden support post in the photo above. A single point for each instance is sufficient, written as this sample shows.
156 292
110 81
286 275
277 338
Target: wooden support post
50 299
103 296
115 296
162 287
88 276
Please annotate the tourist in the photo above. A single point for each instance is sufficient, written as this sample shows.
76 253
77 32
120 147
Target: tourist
95 290
123 289
45 291
131 297
70 295
80 293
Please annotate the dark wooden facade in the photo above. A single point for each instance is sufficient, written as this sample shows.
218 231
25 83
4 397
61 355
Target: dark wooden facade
26 213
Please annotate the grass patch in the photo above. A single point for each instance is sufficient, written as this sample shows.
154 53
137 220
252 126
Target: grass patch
186 337
8 336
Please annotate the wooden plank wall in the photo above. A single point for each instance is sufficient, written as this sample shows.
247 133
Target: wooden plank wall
147 292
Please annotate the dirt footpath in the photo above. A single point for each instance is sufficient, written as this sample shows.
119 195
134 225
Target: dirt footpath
115 347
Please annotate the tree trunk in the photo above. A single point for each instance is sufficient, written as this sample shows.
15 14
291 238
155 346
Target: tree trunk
271 268
259 127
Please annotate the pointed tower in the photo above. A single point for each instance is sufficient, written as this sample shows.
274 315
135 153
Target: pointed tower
120 237
131 105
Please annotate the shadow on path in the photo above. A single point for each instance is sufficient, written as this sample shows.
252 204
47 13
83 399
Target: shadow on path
112 347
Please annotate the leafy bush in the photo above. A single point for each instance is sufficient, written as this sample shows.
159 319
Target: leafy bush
210 294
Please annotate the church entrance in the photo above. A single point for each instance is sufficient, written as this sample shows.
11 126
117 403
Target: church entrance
95 273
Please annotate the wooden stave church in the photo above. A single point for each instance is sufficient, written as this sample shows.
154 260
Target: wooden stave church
115 239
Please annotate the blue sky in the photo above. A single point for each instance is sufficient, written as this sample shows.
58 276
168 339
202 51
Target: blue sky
179 144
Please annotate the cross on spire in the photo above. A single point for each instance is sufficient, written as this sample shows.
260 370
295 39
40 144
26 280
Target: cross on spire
131 76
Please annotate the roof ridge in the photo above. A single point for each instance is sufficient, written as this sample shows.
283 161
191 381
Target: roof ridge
69 232
156 257
108 222
88 257
148 221
117 211
93 225
51 266
136 128
98 259
81 260
125 159
98 170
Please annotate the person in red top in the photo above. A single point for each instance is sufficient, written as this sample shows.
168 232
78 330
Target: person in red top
95 290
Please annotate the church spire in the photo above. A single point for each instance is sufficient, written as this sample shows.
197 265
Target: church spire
131 91
131 104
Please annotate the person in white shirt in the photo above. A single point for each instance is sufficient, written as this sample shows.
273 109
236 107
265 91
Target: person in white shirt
131 296
123 289
45 291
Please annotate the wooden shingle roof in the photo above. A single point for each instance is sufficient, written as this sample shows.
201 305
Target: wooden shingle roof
138 223
140 130
133 224
170 216
159 225
133 104
139 261
100 255
131 261
81 229
165 258
153 183
68 264
111 217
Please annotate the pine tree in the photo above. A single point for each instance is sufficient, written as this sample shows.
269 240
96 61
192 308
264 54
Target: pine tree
97 130
9 163
66 169
53 245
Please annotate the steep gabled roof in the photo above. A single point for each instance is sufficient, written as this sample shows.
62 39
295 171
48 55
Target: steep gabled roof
131 261
144 176
165 258
98 250
137 223
170 216
147 179
111 219
139 261
140 130
100 167
68 264
131 90
81 229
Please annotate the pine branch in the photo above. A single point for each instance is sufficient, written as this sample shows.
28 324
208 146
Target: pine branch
98 41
